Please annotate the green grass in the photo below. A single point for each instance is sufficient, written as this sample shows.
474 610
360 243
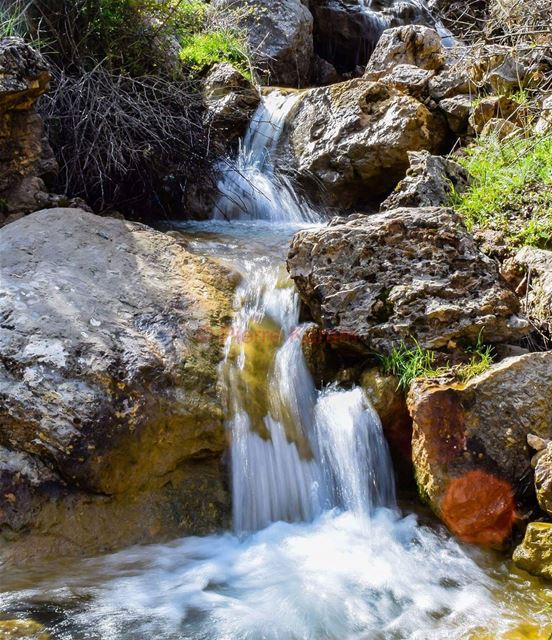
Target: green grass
511 189
411 363
202 50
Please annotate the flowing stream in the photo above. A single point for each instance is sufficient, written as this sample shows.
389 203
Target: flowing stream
320 550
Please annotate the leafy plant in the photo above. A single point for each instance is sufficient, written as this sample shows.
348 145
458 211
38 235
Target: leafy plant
511 189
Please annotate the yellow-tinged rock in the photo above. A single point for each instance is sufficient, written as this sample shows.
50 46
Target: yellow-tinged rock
534 554
12 629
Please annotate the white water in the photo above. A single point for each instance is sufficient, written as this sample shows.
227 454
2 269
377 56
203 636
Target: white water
330 556
250 187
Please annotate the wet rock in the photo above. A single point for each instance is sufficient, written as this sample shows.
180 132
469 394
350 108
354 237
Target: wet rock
22 629
24 152
469 443
346 33
543 479
390 402
324 72
534 554
402 275
457 111
428 183
280 38
348 143
231 101
110 417
413 44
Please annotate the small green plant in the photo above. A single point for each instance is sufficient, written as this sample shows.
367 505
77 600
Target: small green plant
200 51
408 363
481 360
511 189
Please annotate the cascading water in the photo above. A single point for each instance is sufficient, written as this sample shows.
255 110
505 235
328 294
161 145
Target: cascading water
250 188
322 551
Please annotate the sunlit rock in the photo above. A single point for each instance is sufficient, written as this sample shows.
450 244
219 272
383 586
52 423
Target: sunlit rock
429 182
348 143
534 554
402 275
110 415
470 449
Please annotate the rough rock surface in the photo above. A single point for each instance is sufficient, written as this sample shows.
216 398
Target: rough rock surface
390 403
530 273
494 107
231 101
348 143
110 419
457 111
402 275
24 154
428 182
534 554
412 44
543 479
408 79
280 38
469 443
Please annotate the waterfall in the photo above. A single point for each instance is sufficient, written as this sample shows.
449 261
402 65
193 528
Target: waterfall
250 188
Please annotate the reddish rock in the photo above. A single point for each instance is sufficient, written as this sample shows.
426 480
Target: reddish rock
479 508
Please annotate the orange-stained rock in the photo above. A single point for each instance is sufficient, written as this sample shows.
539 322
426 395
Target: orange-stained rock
469 444
479 508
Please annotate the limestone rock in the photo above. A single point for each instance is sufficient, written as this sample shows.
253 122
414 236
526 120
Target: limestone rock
402 275
543 479
389 401
494 107
231 101
279 36
428 182
457 111
530 273
24 77
500 129
348 143
534 554
469 443
544 123
412 44
408 79
451 82
110 417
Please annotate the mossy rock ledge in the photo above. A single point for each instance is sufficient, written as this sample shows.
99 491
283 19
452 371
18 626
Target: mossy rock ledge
111 427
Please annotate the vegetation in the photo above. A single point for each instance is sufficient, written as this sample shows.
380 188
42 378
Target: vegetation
511 188
411 363
125 108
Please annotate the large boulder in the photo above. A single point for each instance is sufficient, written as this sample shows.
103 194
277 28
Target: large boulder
470 451
111 428
279 36
231 101
429 182
25 155
348 143
534 554
403 275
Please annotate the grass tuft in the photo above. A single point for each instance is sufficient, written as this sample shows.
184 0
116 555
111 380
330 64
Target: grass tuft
511 189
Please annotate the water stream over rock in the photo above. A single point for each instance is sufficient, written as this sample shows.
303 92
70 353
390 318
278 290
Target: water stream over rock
320 550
